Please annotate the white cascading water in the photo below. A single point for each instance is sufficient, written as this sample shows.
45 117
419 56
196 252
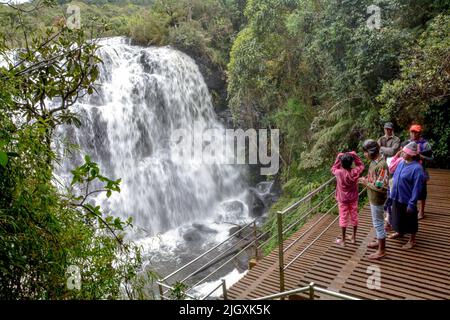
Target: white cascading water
145 94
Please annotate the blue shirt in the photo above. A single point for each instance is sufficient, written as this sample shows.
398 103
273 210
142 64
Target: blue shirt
408 183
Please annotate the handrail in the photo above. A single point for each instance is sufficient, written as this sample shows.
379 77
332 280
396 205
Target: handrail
311 289
281 232
305 214
205 253
170 288
283 294
318 236
315 207
300 219
223 265
214 290
217 258
309 195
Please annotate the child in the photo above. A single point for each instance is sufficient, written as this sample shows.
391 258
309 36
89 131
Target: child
376 182
347 192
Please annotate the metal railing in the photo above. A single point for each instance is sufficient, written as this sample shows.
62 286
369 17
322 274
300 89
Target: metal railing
311 289
281 231
244 232
303 215
280 234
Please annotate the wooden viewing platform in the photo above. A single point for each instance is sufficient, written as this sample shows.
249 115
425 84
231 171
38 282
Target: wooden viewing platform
420 273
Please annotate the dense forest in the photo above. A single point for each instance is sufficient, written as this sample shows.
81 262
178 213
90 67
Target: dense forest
313 69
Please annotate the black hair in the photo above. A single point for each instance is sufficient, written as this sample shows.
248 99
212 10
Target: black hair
371 147
346 161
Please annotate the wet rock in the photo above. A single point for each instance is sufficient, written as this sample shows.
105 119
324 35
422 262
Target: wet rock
233 230
192 236
258 207
263 195
233 211
202 228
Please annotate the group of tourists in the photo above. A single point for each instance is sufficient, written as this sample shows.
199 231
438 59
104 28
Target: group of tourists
396 181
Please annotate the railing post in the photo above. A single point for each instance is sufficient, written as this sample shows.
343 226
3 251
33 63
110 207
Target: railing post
161 291
224 290
280 249
311 291
255 236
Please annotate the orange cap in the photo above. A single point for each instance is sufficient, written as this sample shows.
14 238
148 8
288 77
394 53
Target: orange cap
415 128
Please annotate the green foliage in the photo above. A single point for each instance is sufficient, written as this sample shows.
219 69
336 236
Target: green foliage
439 132
148 28
322 54
314 70
189 36
424 79
178 291
421 93
3 159
204 28
44 231
141 286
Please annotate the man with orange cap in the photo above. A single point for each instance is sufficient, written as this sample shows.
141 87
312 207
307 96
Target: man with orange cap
426 155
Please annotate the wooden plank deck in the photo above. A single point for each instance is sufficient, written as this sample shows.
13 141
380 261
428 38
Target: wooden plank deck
420 273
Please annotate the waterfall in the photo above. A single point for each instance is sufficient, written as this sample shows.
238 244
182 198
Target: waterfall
143 95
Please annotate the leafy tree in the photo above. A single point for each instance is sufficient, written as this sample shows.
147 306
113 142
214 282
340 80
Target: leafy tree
322 58
44 230
424 79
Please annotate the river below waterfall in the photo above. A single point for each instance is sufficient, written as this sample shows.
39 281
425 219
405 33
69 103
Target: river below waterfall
179 209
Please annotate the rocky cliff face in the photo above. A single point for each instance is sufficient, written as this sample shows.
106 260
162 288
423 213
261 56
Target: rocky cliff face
214 75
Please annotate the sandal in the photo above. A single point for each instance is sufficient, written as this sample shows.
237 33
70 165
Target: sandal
350 239
340 242
395 236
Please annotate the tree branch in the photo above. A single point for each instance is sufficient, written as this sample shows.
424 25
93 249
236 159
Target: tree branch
101 219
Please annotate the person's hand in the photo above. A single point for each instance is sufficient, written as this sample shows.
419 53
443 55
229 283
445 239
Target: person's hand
363 181
399 153
410 210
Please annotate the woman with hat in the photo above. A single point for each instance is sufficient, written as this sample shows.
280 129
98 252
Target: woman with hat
406 190
426 155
